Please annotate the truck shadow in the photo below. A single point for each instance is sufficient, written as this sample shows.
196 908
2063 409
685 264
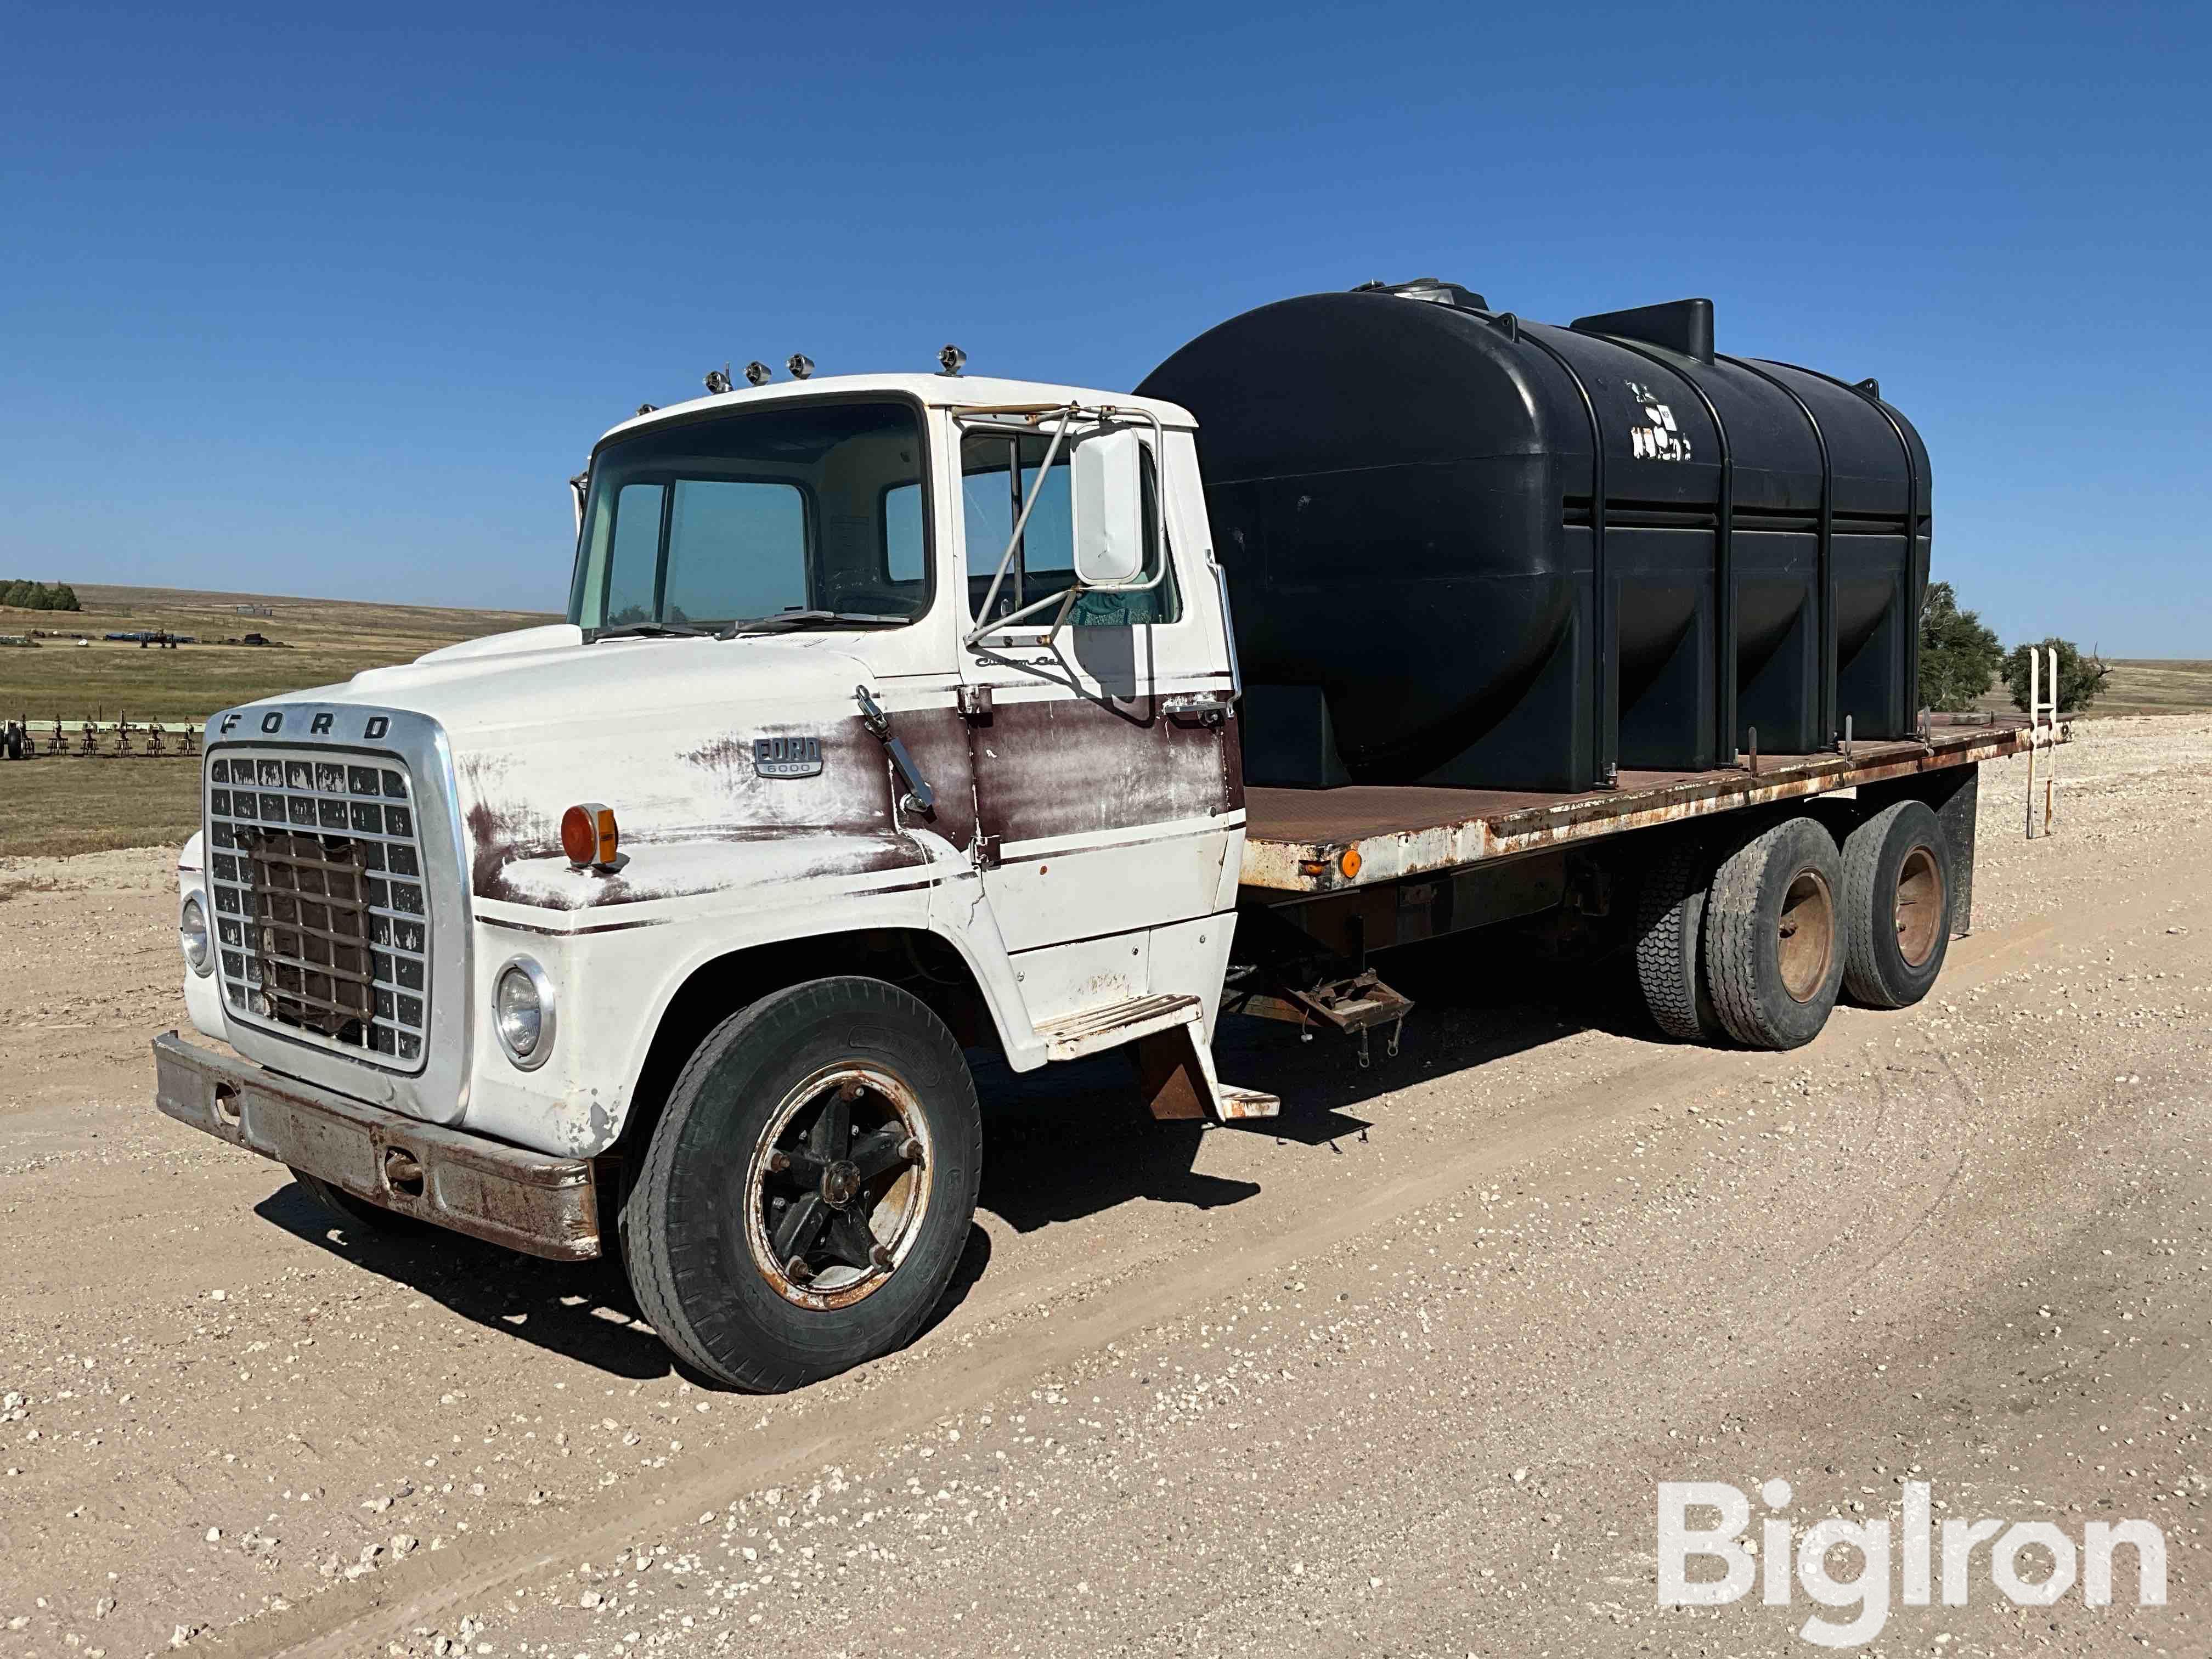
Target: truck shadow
1062 1143
581 1310
1073 1140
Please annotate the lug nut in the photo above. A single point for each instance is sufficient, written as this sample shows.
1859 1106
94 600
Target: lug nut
797 1271
910 1150
881 1255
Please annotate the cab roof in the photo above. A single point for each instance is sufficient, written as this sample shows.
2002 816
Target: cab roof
933 390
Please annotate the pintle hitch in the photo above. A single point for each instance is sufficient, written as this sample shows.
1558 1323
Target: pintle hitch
1355 1006
1288 975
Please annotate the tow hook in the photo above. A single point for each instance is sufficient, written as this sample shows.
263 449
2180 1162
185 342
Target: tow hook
919 797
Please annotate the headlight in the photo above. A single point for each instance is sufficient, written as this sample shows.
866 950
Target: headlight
192 934
522 1009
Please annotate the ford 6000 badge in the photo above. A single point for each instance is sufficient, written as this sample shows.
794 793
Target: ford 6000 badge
787 758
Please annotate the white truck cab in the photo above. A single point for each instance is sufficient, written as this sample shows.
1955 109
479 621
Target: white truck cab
893 713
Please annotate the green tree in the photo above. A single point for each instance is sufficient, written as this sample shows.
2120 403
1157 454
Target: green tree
2080 677
37 596
1959 656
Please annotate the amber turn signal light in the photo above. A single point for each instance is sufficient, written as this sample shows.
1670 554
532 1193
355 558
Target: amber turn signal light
588 835
1349 861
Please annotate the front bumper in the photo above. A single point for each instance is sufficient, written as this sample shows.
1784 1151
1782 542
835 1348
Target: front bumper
527 1201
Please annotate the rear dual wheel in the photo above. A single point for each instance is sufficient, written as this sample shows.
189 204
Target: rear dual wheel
1774 935
807 1191
1898 892
1670 930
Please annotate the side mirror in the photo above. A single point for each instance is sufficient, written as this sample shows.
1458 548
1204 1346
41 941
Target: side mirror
1108 509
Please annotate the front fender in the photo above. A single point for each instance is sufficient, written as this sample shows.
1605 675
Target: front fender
616 969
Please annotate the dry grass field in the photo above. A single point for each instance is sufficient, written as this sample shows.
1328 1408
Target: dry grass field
319 641
2157 686
2139 685
81 806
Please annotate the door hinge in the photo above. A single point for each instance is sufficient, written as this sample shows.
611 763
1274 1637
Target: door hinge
1202 710
973 702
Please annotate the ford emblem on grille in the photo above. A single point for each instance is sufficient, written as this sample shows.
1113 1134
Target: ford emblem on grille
787 758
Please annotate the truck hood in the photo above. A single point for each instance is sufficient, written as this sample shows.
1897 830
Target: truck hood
663 731
548 675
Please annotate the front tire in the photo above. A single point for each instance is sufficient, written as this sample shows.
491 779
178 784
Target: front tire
357 1212
1774 935
807 1191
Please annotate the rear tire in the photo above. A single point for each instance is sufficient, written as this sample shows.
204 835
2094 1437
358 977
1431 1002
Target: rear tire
808 1191
1897 903
1774 935
1670 913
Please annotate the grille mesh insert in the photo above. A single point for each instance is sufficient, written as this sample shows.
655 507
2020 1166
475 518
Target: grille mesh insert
322 922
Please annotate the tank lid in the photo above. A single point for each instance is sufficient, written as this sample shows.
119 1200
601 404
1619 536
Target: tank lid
1681 325
1434 290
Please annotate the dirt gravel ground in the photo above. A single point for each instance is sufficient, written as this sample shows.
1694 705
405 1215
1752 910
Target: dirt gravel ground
1397 1374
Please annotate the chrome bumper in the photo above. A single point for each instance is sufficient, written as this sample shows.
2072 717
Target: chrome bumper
528 1201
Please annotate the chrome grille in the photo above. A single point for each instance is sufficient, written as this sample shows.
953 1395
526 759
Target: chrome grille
315 868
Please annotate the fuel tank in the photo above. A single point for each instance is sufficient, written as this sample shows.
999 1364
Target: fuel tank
1466 548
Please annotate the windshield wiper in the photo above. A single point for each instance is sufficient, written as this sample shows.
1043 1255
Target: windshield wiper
791 619
649 630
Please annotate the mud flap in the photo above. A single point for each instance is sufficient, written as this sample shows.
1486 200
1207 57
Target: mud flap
1175 1072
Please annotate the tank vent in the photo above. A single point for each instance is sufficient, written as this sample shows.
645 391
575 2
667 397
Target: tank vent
1433 289
1680 326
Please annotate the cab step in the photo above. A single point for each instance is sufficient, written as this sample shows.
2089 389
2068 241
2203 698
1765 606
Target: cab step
1070 1036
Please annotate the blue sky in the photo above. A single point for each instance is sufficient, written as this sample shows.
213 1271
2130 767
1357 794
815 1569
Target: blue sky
335 307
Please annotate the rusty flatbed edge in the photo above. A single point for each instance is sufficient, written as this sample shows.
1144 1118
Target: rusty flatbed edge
1296 839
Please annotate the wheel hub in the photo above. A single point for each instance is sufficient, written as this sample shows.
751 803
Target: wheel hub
1806 935
840 1181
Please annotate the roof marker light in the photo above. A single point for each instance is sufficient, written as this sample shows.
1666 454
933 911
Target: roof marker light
758 372
717 380
800 365
953 359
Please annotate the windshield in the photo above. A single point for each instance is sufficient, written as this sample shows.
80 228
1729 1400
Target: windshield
753 518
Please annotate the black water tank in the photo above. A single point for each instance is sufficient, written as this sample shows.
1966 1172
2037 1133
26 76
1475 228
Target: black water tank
1466 548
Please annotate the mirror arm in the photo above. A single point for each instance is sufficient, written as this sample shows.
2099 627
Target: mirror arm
1014 541
1065 599
1068 595
1228 628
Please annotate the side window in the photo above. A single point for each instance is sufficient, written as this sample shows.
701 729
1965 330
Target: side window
904 544
1045 563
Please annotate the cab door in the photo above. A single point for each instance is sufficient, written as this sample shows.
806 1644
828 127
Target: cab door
1107 799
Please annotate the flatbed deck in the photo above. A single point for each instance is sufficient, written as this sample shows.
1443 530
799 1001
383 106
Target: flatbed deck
1296 839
